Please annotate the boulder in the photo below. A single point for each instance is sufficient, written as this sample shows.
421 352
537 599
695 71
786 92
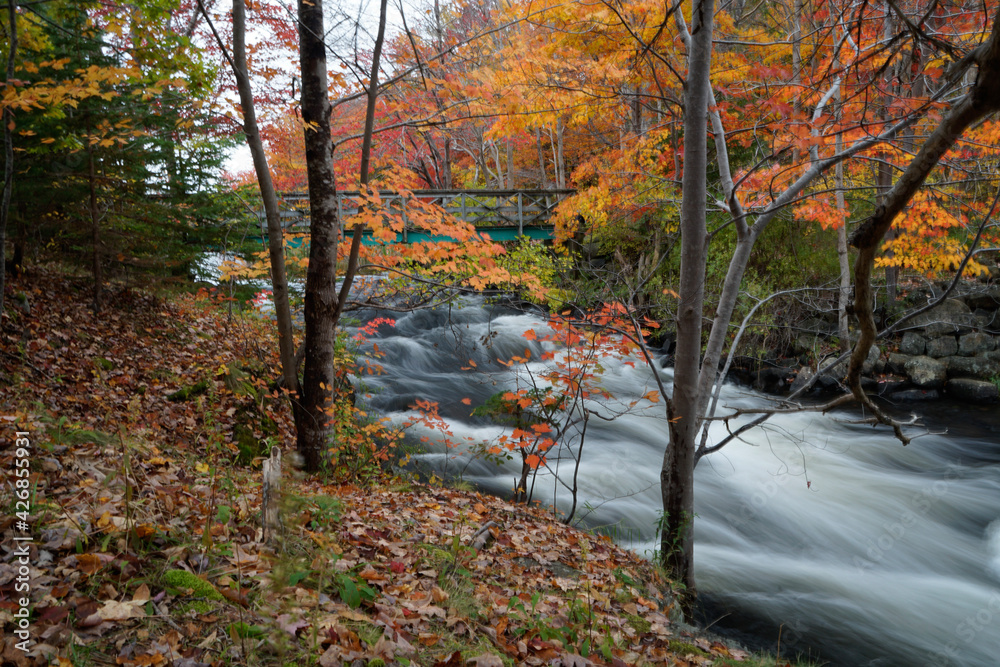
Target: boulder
897 362
669 343
891 385
926 373
972 344
988 298
910 395
987 320
819 325
982 366
950 316
945 346
806 343
774 379
874 363
972 391
804 375
913 344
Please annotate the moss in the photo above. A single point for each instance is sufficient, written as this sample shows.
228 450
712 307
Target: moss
187 393
683 648
237 381
248 444
639 624
196 606
184 580
248 422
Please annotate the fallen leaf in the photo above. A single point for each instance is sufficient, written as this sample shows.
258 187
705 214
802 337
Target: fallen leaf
120 611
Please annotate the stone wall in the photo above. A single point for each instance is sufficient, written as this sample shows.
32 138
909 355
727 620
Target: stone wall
952 350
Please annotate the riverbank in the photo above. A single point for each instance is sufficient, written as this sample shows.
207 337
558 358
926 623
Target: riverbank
951 350
147 547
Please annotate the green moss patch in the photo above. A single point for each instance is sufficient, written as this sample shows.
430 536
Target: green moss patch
184 581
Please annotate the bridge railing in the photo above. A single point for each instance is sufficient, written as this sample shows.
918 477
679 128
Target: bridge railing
492 208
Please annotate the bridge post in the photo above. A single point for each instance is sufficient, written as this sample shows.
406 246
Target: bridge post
405 221
340 214
520 214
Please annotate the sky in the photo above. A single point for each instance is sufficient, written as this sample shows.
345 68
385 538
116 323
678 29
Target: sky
363 12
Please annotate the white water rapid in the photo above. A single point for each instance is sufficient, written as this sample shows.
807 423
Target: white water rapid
862 551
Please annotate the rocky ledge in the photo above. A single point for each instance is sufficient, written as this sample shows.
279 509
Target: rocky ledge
952 350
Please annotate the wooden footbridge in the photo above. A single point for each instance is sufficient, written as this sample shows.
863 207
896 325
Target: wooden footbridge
502 214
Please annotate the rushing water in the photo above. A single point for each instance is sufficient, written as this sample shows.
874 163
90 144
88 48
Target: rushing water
862 551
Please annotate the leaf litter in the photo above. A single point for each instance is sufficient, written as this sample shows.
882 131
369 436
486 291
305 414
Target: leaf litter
131 486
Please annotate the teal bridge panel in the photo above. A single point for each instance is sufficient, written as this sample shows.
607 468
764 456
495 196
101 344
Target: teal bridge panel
297 237
502 214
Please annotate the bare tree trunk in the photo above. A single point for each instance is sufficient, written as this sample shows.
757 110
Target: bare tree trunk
982 100
269 198
636 109
882 183
275 234
95 228
884 177
501 173
510 164
796 38
364 169
844 294
325 232
560 162
8 149
324 305
677 472
446 178
544 180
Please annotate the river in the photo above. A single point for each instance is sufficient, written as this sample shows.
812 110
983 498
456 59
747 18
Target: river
862 551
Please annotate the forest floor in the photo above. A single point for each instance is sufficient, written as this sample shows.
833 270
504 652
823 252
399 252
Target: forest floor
138 540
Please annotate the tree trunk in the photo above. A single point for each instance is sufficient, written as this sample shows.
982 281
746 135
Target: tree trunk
796 37
446 178
844 294
8 150
324 305
510 164
883 183
275 235
95 228
635 108
325 233
677 473
364 169
560 162
982 100
543 182
884 177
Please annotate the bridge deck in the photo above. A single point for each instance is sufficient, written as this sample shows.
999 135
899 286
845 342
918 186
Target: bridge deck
493 209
